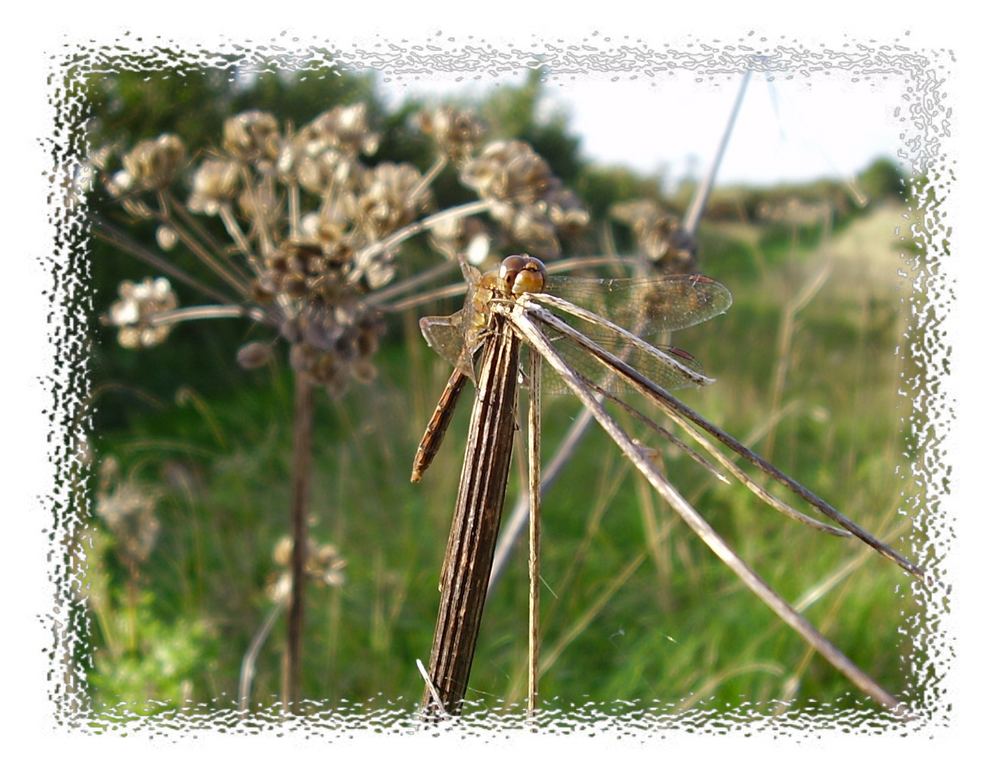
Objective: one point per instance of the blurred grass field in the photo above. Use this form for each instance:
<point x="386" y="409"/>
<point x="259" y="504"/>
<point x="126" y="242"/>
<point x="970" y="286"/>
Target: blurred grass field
<point x="635" y="607"/>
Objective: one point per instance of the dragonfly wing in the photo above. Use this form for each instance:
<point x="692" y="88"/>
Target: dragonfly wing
<point x="646" y="305"/>
<point x="445" y="335"/>
<point x="677" y="370"/>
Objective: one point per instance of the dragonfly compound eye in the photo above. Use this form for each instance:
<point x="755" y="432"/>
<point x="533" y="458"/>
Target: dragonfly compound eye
<point x="522" y="274"/>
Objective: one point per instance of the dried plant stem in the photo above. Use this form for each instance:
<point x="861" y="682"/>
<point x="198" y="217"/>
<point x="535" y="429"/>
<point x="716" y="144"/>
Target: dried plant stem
<point x="235" y="231"/>
<point x="786" y="333"/>
<point x="476" y="521"/>
<point x="535" y="528"/>
<point x="428" y="178"/>
<point x="210" y="242"/>
<point x="301" y="464"/>
<point x="588" y="261"/>
<point x="193" y="313"/>
<point x="259" y="219"/>
<point x="231" y="278"/>
<point x="293" y="210"/>
<point x="697" y="207"/>
<point x="111" y="235"/>
<point x="438" y="293"/>
<point x="533" y="336"/>
<point x="419" y="279"/>
<point x="248" y="667"/>
<point x="425" y="224"/>
<point x="519" y="516"/>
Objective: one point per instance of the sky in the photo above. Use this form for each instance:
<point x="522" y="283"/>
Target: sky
<point x="786" y="130"/>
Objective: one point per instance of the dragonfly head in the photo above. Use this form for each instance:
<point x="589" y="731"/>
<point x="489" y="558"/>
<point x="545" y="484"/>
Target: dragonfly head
<point x="521" y="274"/>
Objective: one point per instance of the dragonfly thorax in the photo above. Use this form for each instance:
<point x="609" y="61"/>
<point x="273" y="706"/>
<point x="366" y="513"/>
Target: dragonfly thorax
<point x="521" y="274"/>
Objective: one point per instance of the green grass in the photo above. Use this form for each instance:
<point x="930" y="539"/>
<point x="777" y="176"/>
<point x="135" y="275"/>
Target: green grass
<point x="673" y="624"/>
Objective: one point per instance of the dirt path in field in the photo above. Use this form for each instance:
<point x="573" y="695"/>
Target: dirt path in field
<point x="871" y="248"/>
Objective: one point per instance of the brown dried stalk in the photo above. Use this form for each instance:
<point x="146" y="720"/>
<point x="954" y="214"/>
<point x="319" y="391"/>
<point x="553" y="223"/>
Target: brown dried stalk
<point x="105" y="231"/>
<point x="476" y="521"/>
<point x="535" y="528"/>
<point x="302" y="454"/>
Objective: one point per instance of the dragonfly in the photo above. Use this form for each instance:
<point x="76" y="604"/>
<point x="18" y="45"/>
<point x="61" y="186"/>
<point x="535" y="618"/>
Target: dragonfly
<point x="638" y="312"/>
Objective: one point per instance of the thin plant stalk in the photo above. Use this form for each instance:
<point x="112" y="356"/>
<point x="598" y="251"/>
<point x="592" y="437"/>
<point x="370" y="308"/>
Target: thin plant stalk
<point x="301" y="465"/>
<point x="248" y="667"/>
<point x="210" y="242"/>
<point x="221" y="270"/>
<point x="111" y="235"/>
<point x="194" y="313"/>
<point x="786" y="334"/>
<point x="535" y="528"/>
<point x="531" y="335"/>
<point x="425" y="224"/>
<point x="428" y="178"/>
<point x="411" y="283"/>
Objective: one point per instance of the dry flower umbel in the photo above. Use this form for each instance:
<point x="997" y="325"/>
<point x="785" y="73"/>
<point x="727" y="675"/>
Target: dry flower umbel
<point x="299" y="232"/>
<point x="129" y="509"/>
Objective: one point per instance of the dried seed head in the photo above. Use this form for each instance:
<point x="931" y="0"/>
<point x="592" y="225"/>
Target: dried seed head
<point x="658" y="234"/>
<point x="282" y="553"/>
<point x="344" y="128"/>
<point x="323" y="564"/>
<point x="252" y="137"/>
<point x="468" y="237"/>
<point x="214" y="182"/>
<point x="390" y="199"/>
<point x="166" y="237"/>
<point x="129" y="510"/>
<point x="364" y="371"/>
<point x="331" y="343"/>
<point x="456" y="133"/>
<point x="152" y="164"/>
<point x="253" y="355"/>
<point x="565" y="210"/>
<point x="120" y="183"/>
<point x="261" y="202"/>
<point x="323" y="155"/>
<point x="133" y="313"/>
<point x="329" y="227"/>
<point x="508" y="171"/>
<point x="529" y="227"/>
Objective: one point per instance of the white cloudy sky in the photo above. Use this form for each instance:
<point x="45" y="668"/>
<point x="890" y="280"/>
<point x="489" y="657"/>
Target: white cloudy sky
<point x="787" y="129"/>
